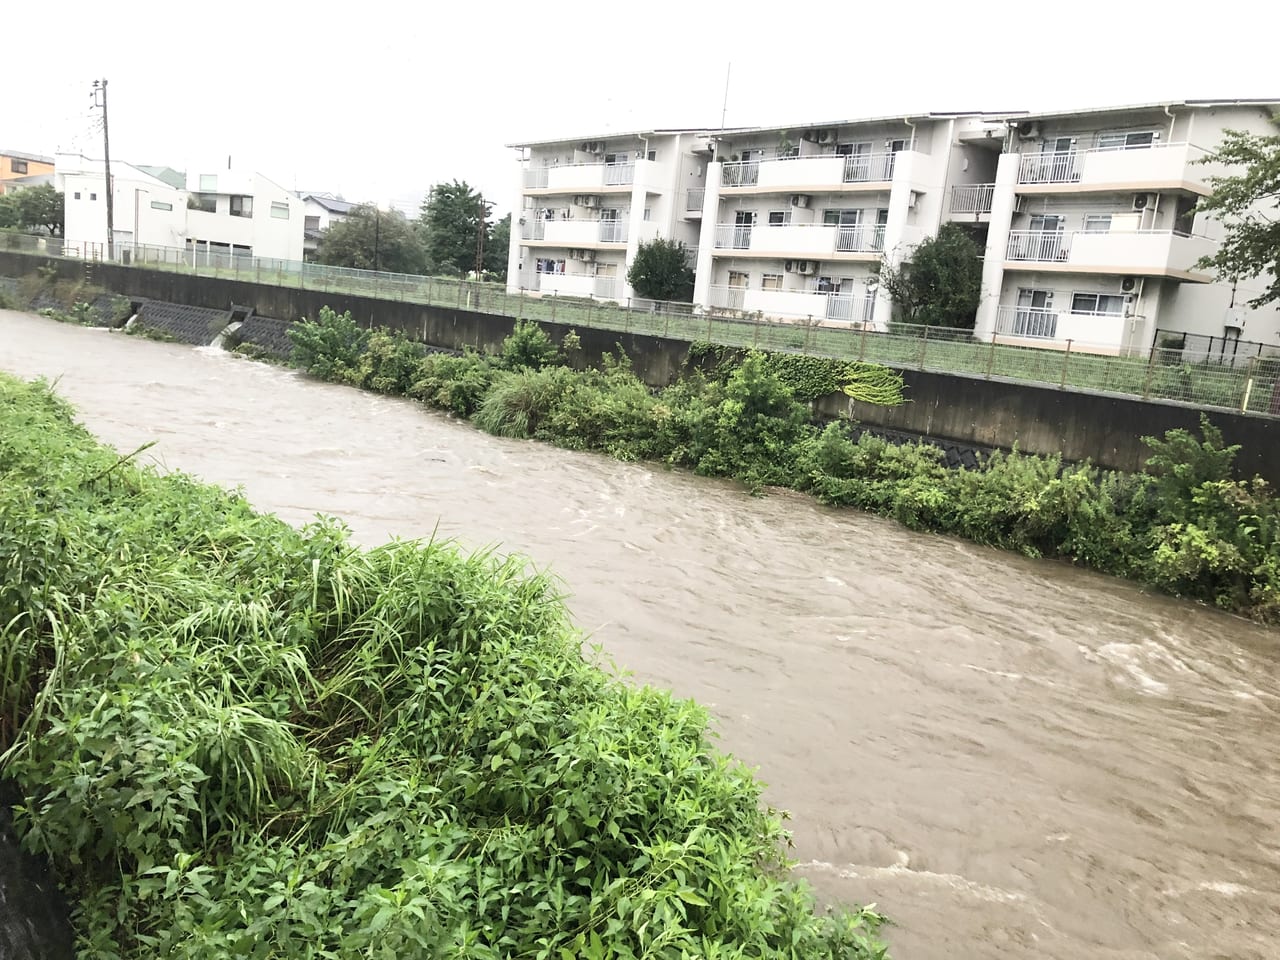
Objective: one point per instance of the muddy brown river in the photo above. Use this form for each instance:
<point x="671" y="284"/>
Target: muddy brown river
<point x="1013" y="758"/>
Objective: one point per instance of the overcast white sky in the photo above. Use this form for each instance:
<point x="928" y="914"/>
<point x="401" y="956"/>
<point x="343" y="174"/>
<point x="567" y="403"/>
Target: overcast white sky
<point x="378" y="100"/>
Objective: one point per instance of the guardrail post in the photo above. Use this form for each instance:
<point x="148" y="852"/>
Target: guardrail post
<point x="591" y="306"/>
<point x="708" y="328"/>
<point x="808" y="331"/>
<point x="862" y="342"/>
<point x="924" y="347"/>
<point x="458" y="302"/>
<point x="1146" y="383"/>
<point x="755" y="334"/>
<point x="1066" y="359"/>
<point x="991" y="355"/>
<point x="554" y="298"/>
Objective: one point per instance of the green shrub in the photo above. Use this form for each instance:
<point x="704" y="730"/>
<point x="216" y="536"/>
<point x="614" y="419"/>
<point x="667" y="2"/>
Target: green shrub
<point x="328" y="347"/>
<point x="528" y="346"/>
<point x="518" y="401"/>
<point x="454" y="383"/>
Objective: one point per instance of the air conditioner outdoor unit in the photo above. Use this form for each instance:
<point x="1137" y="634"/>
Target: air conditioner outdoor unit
<point x="591" y="201"/>
<point x="1129" y="285"/>
<point x="807" y="268"/>
<point x="826" y="136"/>
<point x="1143" y="200"/>
<point x="789" y="266"/>
<point x="575" y="254"/>
<point x="811" y="136"/>
<point x="1029" y="129"/>
<point x="800" y="200"/>
<point x="587" y="256"/>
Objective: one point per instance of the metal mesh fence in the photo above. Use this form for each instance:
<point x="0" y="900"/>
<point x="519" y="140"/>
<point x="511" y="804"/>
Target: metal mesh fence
<point x="1179" y="367"/>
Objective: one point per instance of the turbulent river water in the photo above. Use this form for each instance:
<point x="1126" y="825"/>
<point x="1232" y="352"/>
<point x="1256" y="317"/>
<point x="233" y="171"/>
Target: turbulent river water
<point x="1013" y="758"/>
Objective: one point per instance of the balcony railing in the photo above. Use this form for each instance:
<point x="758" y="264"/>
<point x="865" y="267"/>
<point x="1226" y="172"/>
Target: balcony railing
<point x="1034" y="322"/>
<point x="1050" y="167"/>
<point x="607" y="287"/>
<point x="617" y="174"/>
<point x="864" y="167"/>
<point x="613" y="231"/>
<point x="733" y="236"/>
<point x="1150" y="161"/>
<point x="693" y="200"/>
<point x="1049" y="245"/>
<point x="850" y="307"/>
<point x="972" y="197"/>
<point x="728" y="298"/>
<point x="740" y="173"/>
<point x="867" y="238"/>
<point x="534" y="230"/>
<point x="535" y="178"/>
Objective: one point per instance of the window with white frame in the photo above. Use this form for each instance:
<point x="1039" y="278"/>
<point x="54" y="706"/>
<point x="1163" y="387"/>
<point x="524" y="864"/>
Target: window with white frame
<point x="93" y="196"/>
<point x="829" y="284"/>
<point x="1099" y="304"/>
<point x="242" y="206"/>
<point x="771" y="281"/>
<point x="779" y="218"/>
<point x="1097" y="222"/>
<point x="161" y="205"/>
<point x="208" y="183"/>
<point x="280" y="210"/>
<point x="77" y="194"/>
<point x="17" y="166"/>
<point x="1126" y="140"/>
<point x="738" y="279"/>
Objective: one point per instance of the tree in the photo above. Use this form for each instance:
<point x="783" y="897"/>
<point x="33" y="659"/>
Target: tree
<point x="373" y="239"/>
<point x="453" y="215"/>
<point x="939" y="286"/>
<point x="1248" y="204"/>
<point x="10" y="215"/>
<point x="497" y="247"/>
<point x="34" y="208"/>
<point x="661" y="271"/>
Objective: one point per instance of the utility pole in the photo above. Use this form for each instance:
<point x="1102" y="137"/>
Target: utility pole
<point x="100" y="88"/>
<point x="377" y="230"/>
<point x="480" y="240"/>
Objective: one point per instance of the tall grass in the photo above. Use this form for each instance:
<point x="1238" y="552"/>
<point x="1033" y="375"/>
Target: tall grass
<point x="237" y="739"/>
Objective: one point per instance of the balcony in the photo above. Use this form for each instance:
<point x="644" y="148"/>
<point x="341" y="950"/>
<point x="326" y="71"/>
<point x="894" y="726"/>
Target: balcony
<point x="580" y="177"/>
<point x="972" y="199"/>
<point x="793" y="304"/>
<point x="801" y="174"/>
<point x="575" y="233"/>
<point x="1153" y="253"/>
<point x="800" y="239"/>
<point x="1169" y="166"/>
<point x="1103" y="331"/>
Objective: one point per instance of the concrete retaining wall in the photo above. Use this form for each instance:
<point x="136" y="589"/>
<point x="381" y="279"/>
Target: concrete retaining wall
<point x="1106" y="429"/>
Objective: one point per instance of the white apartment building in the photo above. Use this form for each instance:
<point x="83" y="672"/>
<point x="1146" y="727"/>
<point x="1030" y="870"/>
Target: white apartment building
<point x="1086" y="218"/>
<point x="585" y="206"/>
<point x="226" y="213"/>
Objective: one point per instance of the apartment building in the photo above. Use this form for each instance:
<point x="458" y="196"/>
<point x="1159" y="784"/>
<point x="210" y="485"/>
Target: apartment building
<point x="18" y="169"/>
<point x="226" y="213"/>
<point x="585" y="206"/>
<point x="1087" y="218"/>
<point x="1094" y="232"/>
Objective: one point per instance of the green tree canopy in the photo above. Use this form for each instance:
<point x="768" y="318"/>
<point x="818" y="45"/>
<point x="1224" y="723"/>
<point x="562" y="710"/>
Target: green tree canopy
<point x="372" y="239"/>
<point x="1248" y="204"/>
<point x="661" y="271"/>
<point x="453" y="215"/>
<point x="496" y="248"/>
<point x="33" y="208"/>
<point x="939" y="286"/>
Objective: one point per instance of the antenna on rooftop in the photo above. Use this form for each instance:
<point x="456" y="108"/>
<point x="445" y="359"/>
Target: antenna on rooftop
<point x="725" y="107"/>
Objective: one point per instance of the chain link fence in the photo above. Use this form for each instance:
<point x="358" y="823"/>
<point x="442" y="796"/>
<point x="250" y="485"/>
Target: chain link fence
<point x="1179" y="367"/>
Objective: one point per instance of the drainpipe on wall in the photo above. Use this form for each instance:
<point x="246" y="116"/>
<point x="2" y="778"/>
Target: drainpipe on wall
<point x="1169" y="113"/>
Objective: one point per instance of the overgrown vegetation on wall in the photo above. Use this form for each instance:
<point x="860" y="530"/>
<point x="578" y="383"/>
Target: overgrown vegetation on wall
<point x="1183" y="525"/>
<point x="237" y="739"/>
